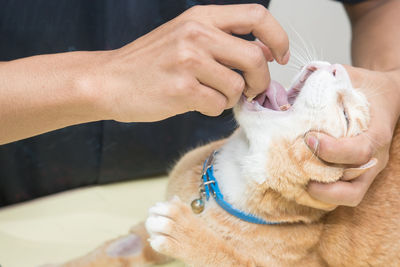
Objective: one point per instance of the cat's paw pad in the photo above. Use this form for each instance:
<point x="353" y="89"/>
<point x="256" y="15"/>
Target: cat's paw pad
<point x="168" y="224"/>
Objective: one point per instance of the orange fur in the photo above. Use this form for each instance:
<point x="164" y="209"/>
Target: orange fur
<point x="313" y="233"/>
<point x="367" y="235"/>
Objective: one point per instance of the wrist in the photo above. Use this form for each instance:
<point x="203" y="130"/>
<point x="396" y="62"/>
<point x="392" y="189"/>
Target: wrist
<point x="89" y="86"/>
<point x="390" y="89"/>
<point x="45" y="93"/>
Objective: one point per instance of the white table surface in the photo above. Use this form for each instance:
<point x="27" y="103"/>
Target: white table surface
<point x="66" y="225"/>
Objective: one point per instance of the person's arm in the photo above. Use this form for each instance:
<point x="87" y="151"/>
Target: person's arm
<point x="43" y="93"/>
<point x="376" y="54"/>
<point x="183" y="65"/>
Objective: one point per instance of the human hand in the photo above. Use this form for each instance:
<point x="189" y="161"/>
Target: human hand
<point x="186" y="64"/>
<point x="383" y="92"/>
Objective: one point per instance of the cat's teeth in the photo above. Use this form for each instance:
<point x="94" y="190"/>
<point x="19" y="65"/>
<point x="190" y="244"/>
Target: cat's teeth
<point x="285" y="107"/>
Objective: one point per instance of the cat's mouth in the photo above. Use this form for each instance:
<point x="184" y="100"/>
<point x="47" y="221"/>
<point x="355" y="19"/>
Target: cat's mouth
<point x="276" y="97"/>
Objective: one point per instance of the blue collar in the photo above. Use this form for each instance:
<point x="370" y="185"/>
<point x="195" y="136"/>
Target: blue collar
<point x="210" y="185"/>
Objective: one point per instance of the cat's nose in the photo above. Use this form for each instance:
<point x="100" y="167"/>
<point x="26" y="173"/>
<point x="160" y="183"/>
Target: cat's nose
<point x="336" y="69"/>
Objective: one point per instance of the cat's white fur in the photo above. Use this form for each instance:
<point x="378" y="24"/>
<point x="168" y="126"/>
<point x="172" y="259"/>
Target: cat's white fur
<point x="264" y="168"/>
<point x="242" y="159"/>
<point x="325" y="99"/>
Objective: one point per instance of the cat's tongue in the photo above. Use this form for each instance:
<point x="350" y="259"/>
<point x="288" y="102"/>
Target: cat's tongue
<point x="275" y="97"/>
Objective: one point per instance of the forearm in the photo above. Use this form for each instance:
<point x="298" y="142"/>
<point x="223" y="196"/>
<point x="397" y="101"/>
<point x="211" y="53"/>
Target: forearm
<point x="376" y="35"/>
<point x="376" y="51"/>
<point x="375" y="46"/>
<point x="43" y="93"/>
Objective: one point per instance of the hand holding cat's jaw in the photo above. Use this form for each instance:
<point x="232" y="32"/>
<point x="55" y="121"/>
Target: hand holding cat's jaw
<point x="352" y="151"/>
<point x="383" y="93"/>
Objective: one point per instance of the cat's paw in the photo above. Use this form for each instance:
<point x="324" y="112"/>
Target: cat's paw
<point x="171" y="226"/>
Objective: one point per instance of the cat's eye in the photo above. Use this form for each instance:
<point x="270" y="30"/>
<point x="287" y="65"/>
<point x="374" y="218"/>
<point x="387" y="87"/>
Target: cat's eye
<point x="346" y="116"/>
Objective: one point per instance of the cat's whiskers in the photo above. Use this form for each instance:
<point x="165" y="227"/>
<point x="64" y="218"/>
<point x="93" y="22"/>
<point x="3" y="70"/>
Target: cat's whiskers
<point x="314" y="54"/>
<point x="297" y="54"/>
<point x="294" y="64"/>
<point x="309" y="53"/>
<point x="377" y="143"/>
<point x="321" y="56"/>
<point x="297" y="65"/>
<point x="373" y="92"/>
<point x="371" y="88"/>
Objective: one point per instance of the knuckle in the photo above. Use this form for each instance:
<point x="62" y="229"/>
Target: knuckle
<point x="256" y="56"/>
<point x="366" y="153"/>
<point x="355" y="201"/>
<point x="258" y="12"/>
<point x="182" y="87"/>
<point x="187" y="58"/>
<point x="191" y="30"/>
<point x="195" y="10"/>
<point x="386" y="137"/>
<point x="358" y="196"/>
<point x="218" y="107"/>
<point x="237" y="84"/>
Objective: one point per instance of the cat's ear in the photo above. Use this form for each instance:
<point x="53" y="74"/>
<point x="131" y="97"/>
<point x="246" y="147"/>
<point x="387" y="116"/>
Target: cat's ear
<point x="351" y="173"/>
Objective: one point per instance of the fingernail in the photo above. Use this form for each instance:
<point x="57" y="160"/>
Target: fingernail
<point x="313" y="142"/>
<point x="285" y="58"/>
<point x="352" y="173"/>
<point x="250" y="98"/>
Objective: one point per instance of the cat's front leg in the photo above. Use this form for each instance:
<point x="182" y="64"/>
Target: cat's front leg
<point x="175" y="231"/>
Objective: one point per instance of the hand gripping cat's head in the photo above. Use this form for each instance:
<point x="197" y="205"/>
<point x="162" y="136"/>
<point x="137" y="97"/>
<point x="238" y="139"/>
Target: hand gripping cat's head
<point x="321" y="99"/>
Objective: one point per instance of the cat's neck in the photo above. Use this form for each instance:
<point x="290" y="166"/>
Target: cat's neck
<point x="248" y="193"/>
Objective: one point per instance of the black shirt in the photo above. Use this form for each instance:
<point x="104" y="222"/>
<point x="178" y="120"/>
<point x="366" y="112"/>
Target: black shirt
<point x="98" y="152"/>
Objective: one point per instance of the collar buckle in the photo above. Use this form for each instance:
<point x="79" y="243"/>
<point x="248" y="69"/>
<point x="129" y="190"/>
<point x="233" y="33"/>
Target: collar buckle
<point x="209" y="162"/>
<point x="209" y="185"/>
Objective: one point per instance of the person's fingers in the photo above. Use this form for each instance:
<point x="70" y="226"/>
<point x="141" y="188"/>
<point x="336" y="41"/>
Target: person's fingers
<point x="347" y="150"/>
<point x="208" y="101"/>
<point x="351" y="173"/>
<point x="220" y="78"/>
<point x="348" y="193"/>
<point x="249" y="18"/>
<point x="267" y="52"/>
<point x="245" y="56"/>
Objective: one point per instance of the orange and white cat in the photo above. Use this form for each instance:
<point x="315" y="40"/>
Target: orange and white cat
<point x="263" y="169"/>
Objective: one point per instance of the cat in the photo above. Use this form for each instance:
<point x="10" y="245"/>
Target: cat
<point x="262" y="171"/>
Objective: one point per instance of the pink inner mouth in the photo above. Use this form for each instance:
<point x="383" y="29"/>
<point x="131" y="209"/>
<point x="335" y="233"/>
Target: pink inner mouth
<point x="277" y="98"/>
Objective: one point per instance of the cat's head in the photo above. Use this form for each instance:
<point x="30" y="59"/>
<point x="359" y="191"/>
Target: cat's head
<point x="321" y="99"/>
